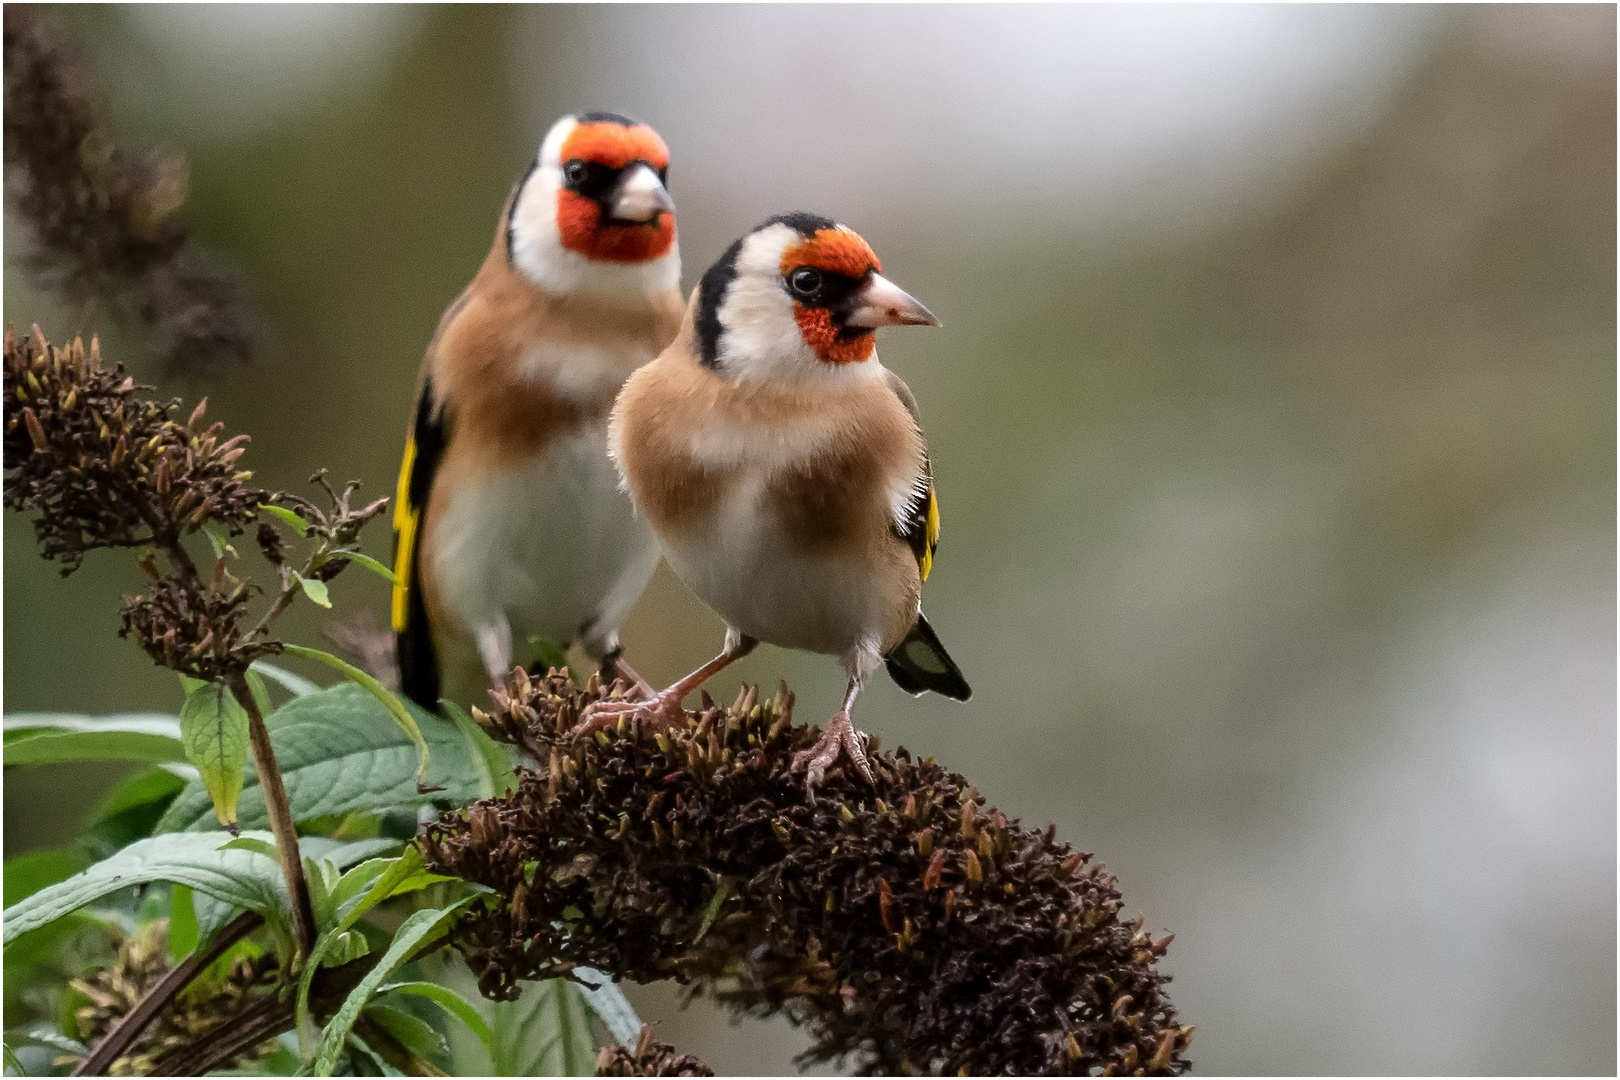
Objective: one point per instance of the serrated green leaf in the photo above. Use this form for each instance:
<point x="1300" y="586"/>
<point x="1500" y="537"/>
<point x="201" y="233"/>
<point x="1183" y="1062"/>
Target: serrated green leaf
<point x="392" y="702"/>
<point x="49" y="738"/>
<point x="214" y="729"/>
<point x="340" y="752"/>
<point x="314" y="589"/>
<point x="421" y="927"/>
<point x="299" y="525"/>
<point x="245" y="879"/>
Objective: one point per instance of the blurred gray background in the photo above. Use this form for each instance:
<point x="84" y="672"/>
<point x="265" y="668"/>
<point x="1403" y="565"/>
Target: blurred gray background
<point x="1273" y="419"/>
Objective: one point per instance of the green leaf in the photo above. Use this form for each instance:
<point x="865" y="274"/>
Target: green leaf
<point x="721" y="891"/>
<point x="245" y="879"/>
<point x="546" y="1032"/>
<point x="184" y="935"/>
<point x="267" y="848"/>
<point x="452" y="1003"/>
<point x="340" y="752"/>
<point x="44" y="1033"/>
<point x="296" y="685"/>
<point x="610" y="1004"/>
<point x="390" y="701"/>
<point x="131" y="810"/>
<point x="212" y="914"/>
<point x="548" y="653"/>
<point x="48" y="738"/>
<point x="495" y="774"/>
<point x="379" y="886"/>
<point x="26" y="874"/>
<point x="422" y="927"/>
<point x="315" y="589"/>
<point x="214" y="727"/>
<point x="378" y="1062"/>
<point x="413" y="1033"/>
<point x="299" y="525"/>
<point x="368" y="562"/>
<point x="260" y="691"/>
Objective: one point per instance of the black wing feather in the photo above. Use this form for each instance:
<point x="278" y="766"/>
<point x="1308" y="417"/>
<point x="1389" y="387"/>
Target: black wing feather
<point x="413" y="636"/>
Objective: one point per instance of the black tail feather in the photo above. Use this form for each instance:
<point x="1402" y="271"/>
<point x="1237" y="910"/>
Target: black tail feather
<point x="921" y="663"/>
<point x="418" y="661"/>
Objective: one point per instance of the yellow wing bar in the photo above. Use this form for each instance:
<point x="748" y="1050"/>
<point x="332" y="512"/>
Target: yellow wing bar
<point x="406" y="519"/>
<point x="925" y="562"/>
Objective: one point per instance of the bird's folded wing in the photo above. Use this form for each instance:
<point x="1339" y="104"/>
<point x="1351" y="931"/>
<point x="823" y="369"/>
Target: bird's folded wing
<point x="918" y="524"/>
<point x="424" y="450"/>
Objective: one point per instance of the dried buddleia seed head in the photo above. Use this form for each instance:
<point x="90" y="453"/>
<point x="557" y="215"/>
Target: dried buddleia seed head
<point x="194" y="630"/>
<point x="940" y="937"/>
<point x="210" y="1000"/>
<point x="648" y="1057"/>
<point x="101" y="467"/>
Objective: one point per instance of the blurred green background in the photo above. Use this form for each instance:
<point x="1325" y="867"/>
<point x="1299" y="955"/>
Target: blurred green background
<point x="1273" y="419"/>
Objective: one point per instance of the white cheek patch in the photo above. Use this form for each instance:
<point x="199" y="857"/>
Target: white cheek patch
<point x="761" y="339"/>
<point x="537" y="248"/>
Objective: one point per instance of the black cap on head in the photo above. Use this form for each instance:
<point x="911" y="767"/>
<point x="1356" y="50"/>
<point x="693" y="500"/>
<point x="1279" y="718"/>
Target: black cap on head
<point x="605" y="118"/>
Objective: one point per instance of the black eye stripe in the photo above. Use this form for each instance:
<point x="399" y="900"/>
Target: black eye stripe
<point x="831" y="290"/>
<point x="589" y="178"/>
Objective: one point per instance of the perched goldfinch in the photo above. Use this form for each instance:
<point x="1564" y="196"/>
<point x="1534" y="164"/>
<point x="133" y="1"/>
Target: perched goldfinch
<point x="509" y="522"/>
<point x="784" y="472"/>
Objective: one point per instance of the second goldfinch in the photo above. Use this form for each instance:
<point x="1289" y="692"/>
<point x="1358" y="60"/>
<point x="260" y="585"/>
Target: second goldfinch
<point x="509" y="521"/>
<point x="784" y="471"/>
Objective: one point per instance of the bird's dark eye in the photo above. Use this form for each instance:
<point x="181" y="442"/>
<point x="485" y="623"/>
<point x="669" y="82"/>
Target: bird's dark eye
<point x="663" y="176"/>
<point x="575" y="172"/>
<point x="805" y="282"/>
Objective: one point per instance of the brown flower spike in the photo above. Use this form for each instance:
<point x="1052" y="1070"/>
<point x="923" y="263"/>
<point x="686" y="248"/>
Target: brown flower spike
<point x="648" y="1057"/>
<point x="103" y="468"/>
<point x="907" y="925"/>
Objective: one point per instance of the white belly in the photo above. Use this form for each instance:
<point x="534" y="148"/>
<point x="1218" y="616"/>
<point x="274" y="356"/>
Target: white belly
<point x="762" y="586"/>
<point x="552" y="545"/>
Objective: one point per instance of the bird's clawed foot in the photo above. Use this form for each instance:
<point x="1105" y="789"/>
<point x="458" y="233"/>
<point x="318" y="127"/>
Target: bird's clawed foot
<point x="659" y="711"/>
<point x="840" y="737"/>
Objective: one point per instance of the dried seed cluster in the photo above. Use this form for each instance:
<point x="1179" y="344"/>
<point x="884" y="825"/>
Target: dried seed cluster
<point x="649" y="1058"/>
<point x="195" y="631"/>
<point x="104" y="225"/>
<point x="142" y="960"/>
<point x="103" y="468"/>
<point x="908" y="926"/>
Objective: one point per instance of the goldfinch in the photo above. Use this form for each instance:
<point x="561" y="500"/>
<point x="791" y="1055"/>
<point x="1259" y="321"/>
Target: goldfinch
<point x="509" y="521"/>
<point x="784" y="471"/>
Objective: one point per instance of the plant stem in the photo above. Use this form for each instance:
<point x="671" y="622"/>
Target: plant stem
<point x="129" y="1028"/>
<point x="279" y="810"/>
